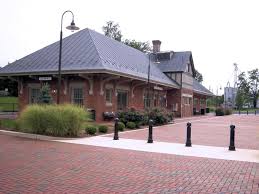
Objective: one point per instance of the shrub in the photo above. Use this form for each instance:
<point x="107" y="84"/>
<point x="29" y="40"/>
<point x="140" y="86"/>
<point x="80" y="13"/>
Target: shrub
<point x="131" y="125"/>
<point x="103" y="129"/>
<point x="90" y="130"/>
<point x="227" y="111"/>
<point x="130" y="116"/>
<point x="219" y="112"/>
<point x="121" y="126"/>
<point x="159" y="116"/>
<point x="55" y="120"/>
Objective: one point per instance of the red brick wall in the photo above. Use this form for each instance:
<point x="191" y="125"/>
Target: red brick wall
<point x="97" y="102"/>
<point x="173" y="98"/>
<point x="187" y="110"/>
<point x="199" y="106"/>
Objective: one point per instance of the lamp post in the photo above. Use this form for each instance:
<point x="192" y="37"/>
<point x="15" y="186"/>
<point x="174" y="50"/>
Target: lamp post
<point x="150" y="122"/>
<point x="148" y="78"/>
<point x="71" y="27"/>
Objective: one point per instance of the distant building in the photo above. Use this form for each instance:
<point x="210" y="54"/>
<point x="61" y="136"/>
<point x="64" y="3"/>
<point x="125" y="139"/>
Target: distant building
<point x="230" y="97"/>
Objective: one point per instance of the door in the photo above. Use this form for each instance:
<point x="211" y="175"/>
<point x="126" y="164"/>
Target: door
<point x="122" y="99"/>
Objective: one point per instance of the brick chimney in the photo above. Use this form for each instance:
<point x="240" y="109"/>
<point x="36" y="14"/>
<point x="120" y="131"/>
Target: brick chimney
<point x="156" y="45"/>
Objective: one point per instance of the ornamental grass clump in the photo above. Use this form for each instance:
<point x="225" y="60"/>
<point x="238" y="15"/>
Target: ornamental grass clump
<point x="55" y="120"/>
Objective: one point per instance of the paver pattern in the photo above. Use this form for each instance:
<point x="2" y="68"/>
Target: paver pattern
<point x="211" y="131"/>
<point x="29" y="166"/>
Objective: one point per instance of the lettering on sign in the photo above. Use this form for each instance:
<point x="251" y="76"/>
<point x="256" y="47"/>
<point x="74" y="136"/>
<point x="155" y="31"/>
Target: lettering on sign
<point x="45" y="78"/>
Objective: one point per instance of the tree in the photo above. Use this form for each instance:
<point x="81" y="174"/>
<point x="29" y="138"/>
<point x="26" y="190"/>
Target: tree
<point x="45" y="97"/>
<point x="112" y="30"/>
<point x="239" y="99"/>
<point x="142" y="46"/>
<point x="11" y="85"/>
<point x="198" y="76"/>
<point x="243" y="90"/>
<point x="253" y="76"/>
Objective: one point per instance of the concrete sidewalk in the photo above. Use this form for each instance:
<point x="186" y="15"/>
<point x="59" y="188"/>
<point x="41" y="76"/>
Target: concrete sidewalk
<point x="170" y="148"/>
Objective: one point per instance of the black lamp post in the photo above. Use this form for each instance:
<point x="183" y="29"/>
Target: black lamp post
<point x="148" y="78"/>
<point x="71" y="27"/>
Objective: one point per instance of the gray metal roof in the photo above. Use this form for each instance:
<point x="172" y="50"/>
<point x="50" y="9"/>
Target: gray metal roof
<point x="199" y="88"/>
<point x="178" y="62"/>
<point x="88" y="50"/>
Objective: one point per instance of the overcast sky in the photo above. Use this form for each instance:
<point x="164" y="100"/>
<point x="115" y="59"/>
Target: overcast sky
<point x="218" y="32"/>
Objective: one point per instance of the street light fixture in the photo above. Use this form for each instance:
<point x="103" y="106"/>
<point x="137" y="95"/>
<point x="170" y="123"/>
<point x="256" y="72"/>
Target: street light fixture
<point x="71" y="27"/>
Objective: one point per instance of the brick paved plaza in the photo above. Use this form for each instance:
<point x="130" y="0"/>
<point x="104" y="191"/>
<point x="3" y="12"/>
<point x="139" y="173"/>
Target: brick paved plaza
<point x="211" y="131"/>
<point x="29" y="166"/>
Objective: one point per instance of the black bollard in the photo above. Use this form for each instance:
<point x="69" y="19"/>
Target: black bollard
<point x="150" y="131"/>
<point x="255" y="112"/>
<point x="247" y="112"/>
<point x="116" y="131"/>
<point x="188" y="140"/>
<point x="239" y="112"/>
<point x="232" y="138"/>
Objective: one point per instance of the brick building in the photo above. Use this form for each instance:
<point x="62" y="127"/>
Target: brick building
<point x="105" y="75"/>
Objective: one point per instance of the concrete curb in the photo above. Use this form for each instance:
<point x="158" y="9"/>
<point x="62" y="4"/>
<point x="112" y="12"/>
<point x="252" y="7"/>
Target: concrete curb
<point x="33" y="136"/>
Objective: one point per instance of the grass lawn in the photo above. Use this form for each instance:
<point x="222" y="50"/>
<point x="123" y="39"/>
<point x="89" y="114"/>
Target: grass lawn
<point x="8" y="104"/>
<point x="8" y="123"/>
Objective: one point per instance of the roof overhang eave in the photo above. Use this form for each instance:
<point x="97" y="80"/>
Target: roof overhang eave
<point x="203" y="93"/>
<point x="64" y="72"/>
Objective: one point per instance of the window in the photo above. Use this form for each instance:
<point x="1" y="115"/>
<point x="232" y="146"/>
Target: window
<point x="187" y="100"/>
<point x="162" y="101"/>
<point x="34" y="95"/>
<point x="122" y="99"/>
<point x="78" y="96"/>
<point x="147" y="99"/>
<point x="108" y="96"/>
<point x="195" y="101"/>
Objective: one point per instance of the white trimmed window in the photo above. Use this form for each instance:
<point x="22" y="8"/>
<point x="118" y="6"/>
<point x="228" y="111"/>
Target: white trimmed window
<point x="187" y="100"/>
<point x="34" y="95"/>
<point x="78" y="96"/>
<point x="108" y="96"/>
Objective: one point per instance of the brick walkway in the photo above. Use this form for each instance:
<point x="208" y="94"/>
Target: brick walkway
<point x="211" y="131"/>
<point x="28" y="166"/>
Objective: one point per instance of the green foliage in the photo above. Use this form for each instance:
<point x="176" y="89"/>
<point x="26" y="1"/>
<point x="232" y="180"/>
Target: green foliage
<point x="11" y="85"/>
<point x="227" y="111"/>
<point x="248" y="88"/>
<point x="219" y="112"/>
<point x="160" y="116"/>
<point x="254" y="85"/>
<point x="215" y="101"/>
<point x="9" y="123"/>
<point x="121" y="126"/>
<point x="198" y="76"/>
<point x="91" y="130"/>
<point x="55" y="120"/>
<point x="112" y="30"/>
<point x="8" y="104"/>
<point x="141" y="46"/>
<point x="131" y="125"/>
<point x="131" y="116"/>
<point x="240" y="99"/>
<point x="45" y="97"/>
<point x="103" y="129"/>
